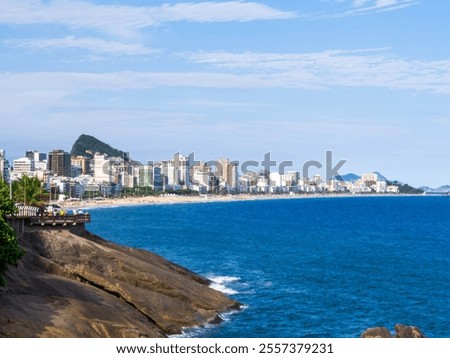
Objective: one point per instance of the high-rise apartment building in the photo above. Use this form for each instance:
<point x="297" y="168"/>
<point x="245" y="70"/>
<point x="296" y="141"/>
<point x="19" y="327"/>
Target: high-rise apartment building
<point x="102" y="168"/>
<point x="59" y="163"/>
<point x="23" y="166"/>
<point x="168" y="172"/>
<point x="82" y="163"/>
<point x="181" y="170"/>
<point x="228" y="172"/>
<point x="369" y="179"/>
<point x="2" y="165"/>
<point x="35" y="155"/>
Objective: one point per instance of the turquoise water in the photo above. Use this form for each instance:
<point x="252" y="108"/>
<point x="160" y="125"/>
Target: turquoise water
<point x="320" y="267"/>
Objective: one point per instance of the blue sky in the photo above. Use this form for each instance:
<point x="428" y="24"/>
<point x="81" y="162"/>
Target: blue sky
<point x="367" y="79"/>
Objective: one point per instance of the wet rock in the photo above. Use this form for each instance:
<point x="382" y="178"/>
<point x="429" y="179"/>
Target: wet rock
<point x="376" y="332"/>
<point x="404" y="331"/>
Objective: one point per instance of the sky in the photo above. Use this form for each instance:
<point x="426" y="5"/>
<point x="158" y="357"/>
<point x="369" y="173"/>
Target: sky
<point x="368" y="80"/>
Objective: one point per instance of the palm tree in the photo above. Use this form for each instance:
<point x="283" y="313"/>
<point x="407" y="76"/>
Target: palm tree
<point x="29" y="190"/>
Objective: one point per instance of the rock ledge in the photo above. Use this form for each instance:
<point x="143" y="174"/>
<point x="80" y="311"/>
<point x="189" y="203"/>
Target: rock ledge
<point x="72" y="283"/>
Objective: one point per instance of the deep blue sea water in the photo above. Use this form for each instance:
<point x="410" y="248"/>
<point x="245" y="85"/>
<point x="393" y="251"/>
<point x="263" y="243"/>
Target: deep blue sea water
<point x="319" y="267"/>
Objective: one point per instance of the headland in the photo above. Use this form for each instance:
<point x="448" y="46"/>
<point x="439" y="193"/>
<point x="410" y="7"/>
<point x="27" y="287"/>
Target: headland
<point x="72" y="283"/>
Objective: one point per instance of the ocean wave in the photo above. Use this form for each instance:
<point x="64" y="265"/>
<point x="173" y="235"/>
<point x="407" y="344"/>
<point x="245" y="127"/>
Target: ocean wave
<point x="219" y="283"/>
<point x="192" y="332"/>
<point x="226" y="316"/>
<point x="221" y="279"/>
<point x="198" y="331"/>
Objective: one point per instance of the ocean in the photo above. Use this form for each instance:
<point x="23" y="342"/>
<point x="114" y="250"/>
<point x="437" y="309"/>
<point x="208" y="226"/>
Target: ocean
<point x="317" y="267"/>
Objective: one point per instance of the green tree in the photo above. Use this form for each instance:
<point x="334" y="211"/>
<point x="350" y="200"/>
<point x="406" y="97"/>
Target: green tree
<point x="10" y="252"/>
<point x="29" y="191"/>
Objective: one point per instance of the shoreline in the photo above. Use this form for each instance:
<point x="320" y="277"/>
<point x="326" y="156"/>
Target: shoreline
<point x="169" y="199"/>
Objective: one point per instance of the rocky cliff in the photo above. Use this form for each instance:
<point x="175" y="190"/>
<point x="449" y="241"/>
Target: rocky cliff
<point x="71" y="283"/>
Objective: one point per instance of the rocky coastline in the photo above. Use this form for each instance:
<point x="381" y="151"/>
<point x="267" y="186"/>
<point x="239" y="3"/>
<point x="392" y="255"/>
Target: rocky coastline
<point x="72" y="283"/>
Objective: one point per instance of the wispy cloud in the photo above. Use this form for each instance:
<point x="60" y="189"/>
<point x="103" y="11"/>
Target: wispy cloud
<point x="361" y="7"/>
<point x="87" y="43"/>
<point x="222" y="70"/>
<point x="126" y="20"/>
<point x="334" y="68"/>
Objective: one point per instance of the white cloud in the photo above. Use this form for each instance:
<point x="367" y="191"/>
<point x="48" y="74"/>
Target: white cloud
<point x="370" y="6"/>
<point x="126" y="20"/>
<point x="327" y="69"/>
<point x="87" y="43"/>
<point x="321" y="70"/>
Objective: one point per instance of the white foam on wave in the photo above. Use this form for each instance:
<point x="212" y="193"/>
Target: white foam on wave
<point x="222" y="279"/>
<point x="192" y="332"/>
<point x="226" y="316"/>
<point x="196" y="331"/>
<point x="223" y="289"/>
<point x="219" y="283"/>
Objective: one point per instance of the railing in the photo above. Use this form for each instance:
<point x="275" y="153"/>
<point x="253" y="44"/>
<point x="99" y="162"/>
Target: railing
<point x="27" y="211"/>
<point x="60" y="220"/>
<point x="33" y="215"/>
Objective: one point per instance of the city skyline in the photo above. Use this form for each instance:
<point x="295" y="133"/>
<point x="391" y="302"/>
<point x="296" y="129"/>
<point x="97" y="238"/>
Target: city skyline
<point x="77" y="176"/>
<point x="366" y="79"/>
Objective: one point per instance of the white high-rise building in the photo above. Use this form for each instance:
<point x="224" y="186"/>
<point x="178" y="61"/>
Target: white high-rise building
<point x="168" y="171"/>
<point x="23" y="166"/>
<point x="102" y="168"/>
<point x="2" y="165"/>
<point x="277" y="179"/>
<point x="200" y="177"/>
<point x="381" y="187"/>
<point x="40" y="166"/>
<point x="181" y="170"/>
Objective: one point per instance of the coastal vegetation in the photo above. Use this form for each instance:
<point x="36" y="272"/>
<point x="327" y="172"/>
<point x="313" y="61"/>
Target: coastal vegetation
<point x="405" y="188"/>
<point x="29" y="191"/>
<point x="10" y="251"/>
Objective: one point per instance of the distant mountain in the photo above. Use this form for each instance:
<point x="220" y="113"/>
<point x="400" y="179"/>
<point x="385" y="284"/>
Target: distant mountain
<point x="350" y="177"/>
<point x="402" y="187"/>
<point x="442" y="189"/>
<point x="87" y="145"/>
<point x="381" y="177"/>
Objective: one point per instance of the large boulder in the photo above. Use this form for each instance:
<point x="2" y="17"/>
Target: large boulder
<point x="402" y="331"/>
<point x="376" y="332"/>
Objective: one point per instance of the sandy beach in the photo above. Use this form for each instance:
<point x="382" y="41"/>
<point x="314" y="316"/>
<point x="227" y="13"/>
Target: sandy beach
<point x="179" y="199"/>
<point x="168" y="199"/>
